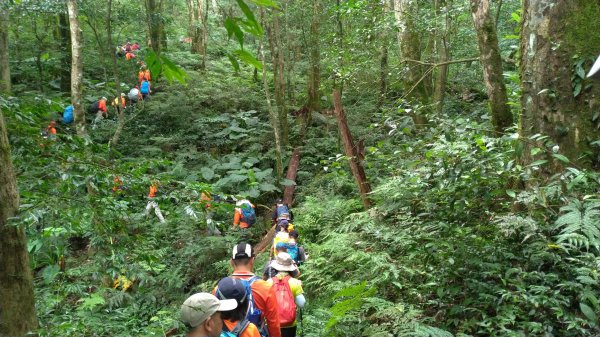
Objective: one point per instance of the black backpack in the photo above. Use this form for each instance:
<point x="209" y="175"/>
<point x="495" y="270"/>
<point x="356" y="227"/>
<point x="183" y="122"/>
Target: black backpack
<point x="94" y="107"/>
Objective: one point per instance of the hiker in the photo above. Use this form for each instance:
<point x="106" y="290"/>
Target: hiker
<point x="68" y="115"/>
<point x="269" y="270"/>
<point x="288" y="292"/>
<point x="51" y="130"/>
<point x="282" y="212"/>
<point x="294" y="249"/>
<point x="201" y="314"/>
<point x="205" y="199"/>
<point x="144" y="74"/>
<point x="129" y="56"/>
<point x="118" y="187"/>
<point x="145" y="89"/>
<point x="119" y="103"/>
<point x="245" y="215"/>
<point x="282" y="234"/>
<point x="262" y="304"/>
<point x="234" y="321"/>
<point x="134" y="95"/>
<point x="152" y="202"/>
<point x="135" y="46"/>
<point x="99" y="108"/>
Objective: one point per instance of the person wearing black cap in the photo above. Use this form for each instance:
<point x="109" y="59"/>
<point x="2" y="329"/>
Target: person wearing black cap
<point x="262" y="302"/>
<point x="235" y="321"/>
<point x="201" y="314"/>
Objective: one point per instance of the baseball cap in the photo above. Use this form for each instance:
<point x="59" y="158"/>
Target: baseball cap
<point x="200" y="306"/>
<point x="231" y="288"/>
<point x="241" y="251"/>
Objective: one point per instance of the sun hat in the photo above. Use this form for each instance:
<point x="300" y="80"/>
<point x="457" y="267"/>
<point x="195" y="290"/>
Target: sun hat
<point x="104" y="99"/>
<point x="242" y="251"/>
<point x="283" y="262"/>
<point x="231" y="288"/>
<point x="200" y="306"/>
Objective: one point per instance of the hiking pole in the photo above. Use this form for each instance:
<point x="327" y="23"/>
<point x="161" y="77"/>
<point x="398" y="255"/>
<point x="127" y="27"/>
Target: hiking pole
<point x="301" y="324"/>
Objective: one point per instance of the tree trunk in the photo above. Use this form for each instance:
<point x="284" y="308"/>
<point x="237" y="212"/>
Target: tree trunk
<point x="121" y="124"/>
<point x="65" y="50"/>
<point x="162" y="32"/>
<point x="555" y="98"/>
<point x="76" y="67"/>
<point x="153" y="18"/>
<point x="17" y="305"/>
<point x="274" y="36"/>
<point x="5" y="84"/>
<point x="443" y="52"/>
<point x="355" y="165"/>
<point x="491" y="62"/>
<point x="314" y="70"/>
<point x="410" y="48"/>
<point x="292" y="171"/>
<point x="273" y="118"/>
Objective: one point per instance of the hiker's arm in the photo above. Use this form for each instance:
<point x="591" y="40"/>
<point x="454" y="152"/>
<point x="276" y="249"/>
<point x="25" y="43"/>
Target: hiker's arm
<point x="236" y="218"/>
<point x="300" y="300"/>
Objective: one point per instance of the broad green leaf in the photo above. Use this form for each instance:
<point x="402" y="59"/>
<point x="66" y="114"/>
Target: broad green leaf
<point x="207" y="173"/>
<point x="511" y="193"/>
<point x="233" y="29"/>
<point x="538" y="162"/>
<point x="248" y="58"/>
<point x="588" y="312"/>
<point x="234" y="62"/>
<point x="265" y="3"/>
<point x="251" y="18"/>
<point x="561" y="157"/>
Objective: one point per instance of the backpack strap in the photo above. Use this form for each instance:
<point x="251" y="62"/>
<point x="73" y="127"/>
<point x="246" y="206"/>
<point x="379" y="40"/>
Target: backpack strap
<point x="240" y="327"/>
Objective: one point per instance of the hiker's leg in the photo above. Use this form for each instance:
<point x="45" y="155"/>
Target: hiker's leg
<point x="148" y="206"/>
<point x="158" y="212"/>
<point x="288" y="331"/>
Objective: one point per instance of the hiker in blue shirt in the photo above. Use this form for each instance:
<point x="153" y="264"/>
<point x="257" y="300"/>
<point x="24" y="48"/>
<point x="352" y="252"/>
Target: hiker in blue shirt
<point x="282" y="212"/>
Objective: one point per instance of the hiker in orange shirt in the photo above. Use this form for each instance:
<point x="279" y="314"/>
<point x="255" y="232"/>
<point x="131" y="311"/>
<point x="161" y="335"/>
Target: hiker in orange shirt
<point x="244" y="215"/>
<point x="144" y="75"/>
<point x="152" y="202"/>
<point x="263" y="305"/>
<point x="119" y="103"/>
<point x="51" y="130"/>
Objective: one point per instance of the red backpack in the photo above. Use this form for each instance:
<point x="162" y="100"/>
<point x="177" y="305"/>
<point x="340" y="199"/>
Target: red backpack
<point x="285" y="301"/>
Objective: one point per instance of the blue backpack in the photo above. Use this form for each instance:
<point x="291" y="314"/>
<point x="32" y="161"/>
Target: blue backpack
<point x="253" y="315"/>
<point x="68" y="115"/>
<point x="248" y="214"/>
<point x="292" y="249"/>
<point x="239" y="328"/>
<point x="283" y="212"/>
<point x="145" y="88"/>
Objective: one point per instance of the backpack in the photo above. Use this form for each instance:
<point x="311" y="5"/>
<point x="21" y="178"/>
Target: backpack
<point x="292" y="249"/>
<point x="94" y="107"/>
<point x="68" y="115"/>
<point x="237" y="330"/>
<point x="145" y="88"/>
<point x="283" y="212"/>
<point x="286" y="304"/>
<point x="254" y="314"/>
<point x="248" y="214"/>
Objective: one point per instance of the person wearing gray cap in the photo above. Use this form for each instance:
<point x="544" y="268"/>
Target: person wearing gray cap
<point x="201" y="314"/>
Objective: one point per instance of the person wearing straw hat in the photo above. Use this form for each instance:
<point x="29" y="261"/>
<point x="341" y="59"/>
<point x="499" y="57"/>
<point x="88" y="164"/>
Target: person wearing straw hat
<point x="201" y="314"/>
<point x="288" y="292"/>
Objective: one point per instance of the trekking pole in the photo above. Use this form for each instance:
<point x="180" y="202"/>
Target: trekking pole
<point x="301" y="324"/>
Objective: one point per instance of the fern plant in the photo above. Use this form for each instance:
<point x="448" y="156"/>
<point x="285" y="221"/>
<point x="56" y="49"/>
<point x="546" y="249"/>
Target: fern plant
<point x="579" y="225"/>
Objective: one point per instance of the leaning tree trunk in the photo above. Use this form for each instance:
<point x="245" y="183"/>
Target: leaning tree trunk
<point x="410" y="49"/>
<point x="355" y="165"/>
<point x="76" y="67"/>
<point x="17" y="305"/>
<point x="65" y="50"/>
<point x="556" y="100"/>
<point x="491" y="62"/>
<point x="5" y="86"/>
